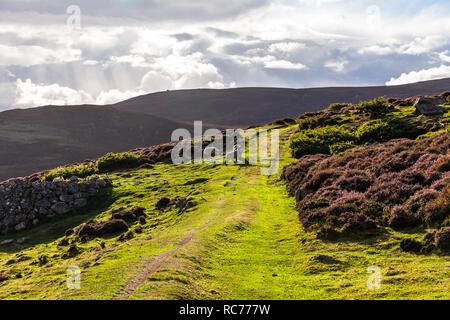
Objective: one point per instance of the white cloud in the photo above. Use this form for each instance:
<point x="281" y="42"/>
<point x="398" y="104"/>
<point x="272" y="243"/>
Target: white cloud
<point x="133" y="60"/>
<point x="155" y="81"/>
<point x="117" y="53"/>
<point x="422" y="45"/>
<point x="283" y="64"/>
<point x="113" y="96"/>
<point x="336" y="66"/>
<point x="182" y="72"/>
<point x="35" y="55"/>
<point x="286" y="47"/>
<point x="444" y="57"/>
<point x="269" y="62"/>
<point x="422" y="75"/>
<point x="29" y="94"/>
<point x="90" y="62"/>
<point x="376" y="50"/>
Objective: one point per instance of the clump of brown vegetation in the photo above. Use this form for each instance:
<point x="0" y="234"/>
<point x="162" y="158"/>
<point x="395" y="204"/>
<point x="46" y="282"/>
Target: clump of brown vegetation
<point x="434" y="241"/>
<point x="131" y="215"/>
<point x="95" y="228"/>
<point x="3" y="276"/>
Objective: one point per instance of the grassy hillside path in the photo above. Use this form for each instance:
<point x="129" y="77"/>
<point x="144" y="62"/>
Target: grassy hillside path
<point x="242" y="240"/>
<point x="255" y="248"/>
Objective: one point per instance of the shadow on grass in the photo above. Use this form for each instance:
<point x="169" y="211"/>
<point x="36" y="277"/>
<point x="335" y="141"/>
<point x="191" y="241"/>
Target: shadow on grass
<point x="363" y="237"/>
<point x="53" y="229"/>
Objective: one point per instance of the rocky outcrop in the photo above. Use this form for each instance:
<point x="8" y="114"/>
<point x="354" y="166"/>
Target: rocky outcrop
<point x="429" y="105"/>
<point x="24" y="203"/>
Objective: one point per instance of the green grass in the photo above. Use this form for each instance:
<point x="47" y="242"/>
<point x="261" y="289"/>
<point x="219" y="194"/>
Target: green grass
<point x="245" y="243"/>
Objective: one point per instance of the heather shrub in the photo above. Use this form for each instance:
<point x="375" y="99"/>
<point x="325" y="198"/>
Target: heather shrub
<point x="356" y="222"/>
<point x="441" y="184"/>
<point x="354" y="180"/>
<point x="400" y="218"/>
<point x="437" y="211"/>
<point x="311" y="203"/>
<point x="442" y="239"/>
<point x="116" y="161"/>
<point x="425" y="161"/>
<point x="395" y="163"/>
<point x="316" y="180"/>
<point x="295" y="173"/>
<point x="400" y="183"/>
<point x="372" y="209"/>
<point x="416" y="204"/>
<point x="338" y="208"/>
<point x="432" y="177"/>
<point x="392" y="192"/>
<point x="441" y="165"/>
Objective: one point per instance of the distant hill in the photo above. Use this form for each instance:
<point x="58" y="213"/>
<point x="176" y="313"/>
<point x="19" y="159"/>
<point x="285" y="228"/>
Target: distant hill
<point x="45" y="137"/>
<point x="251" y="106"/>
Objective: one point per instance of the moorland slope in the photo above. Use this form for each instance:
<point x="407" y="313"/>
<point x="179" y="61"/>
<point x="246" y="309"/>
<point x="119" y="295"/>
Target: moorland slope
<point x="44" y="137"/>
<point x="228" y="232"/>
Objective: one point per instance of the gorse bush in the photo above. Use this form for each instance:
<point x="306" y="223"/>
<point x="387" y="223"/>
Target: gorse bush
<point x="314" y="141"/>
<point x="81" y="171"/>
<point x="338" y="106"/>
<point x="376" y="130"/>
<point x="374" y="108"/>
<point x="107" y="163"/>
<point x="382" y="130"/>
<point x="430" y="134"/>
<point x="308" y="123"/>
<point x="341" y="147"/>
<point x="115" y="161"/>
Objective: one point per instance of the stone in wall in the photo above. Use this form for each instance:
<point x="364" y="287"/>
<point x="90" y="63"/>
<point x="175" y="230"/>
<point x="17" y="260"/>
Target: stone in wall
<point x="24" y="203"/>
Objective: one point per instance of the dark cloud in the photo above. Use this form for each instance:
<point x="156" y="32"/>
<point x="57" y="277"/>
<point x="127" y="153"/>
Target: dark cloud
<point x="222" y="33"/>
<point x="183" y="36"/>
<point x="188" y="10"/>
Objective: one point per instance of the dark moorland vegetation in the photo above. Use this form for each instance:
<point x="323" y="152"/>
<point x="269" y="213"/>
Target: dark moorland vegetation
<point x="371" y="165"/>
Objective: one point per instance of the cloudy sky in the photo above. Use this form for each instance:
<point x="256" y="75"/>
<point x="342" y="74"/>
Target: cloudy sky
<point x="116" y="49"/>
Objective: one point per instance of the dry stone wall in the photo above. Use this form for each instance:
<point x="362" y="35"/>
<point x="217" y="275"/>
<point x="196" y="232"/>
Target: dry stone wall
<point x="24" y="203"/>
